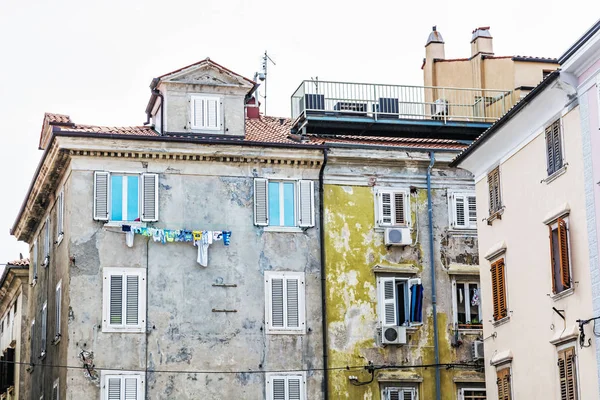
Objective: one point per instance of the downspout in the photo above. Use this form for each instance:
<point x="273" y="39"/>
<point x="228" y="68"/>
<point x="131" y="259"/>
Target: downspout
<point x="162" y="115"/>
<point x="147" y="313"/>
<point x="323" y="278"/>
<point x="433" y="291"/>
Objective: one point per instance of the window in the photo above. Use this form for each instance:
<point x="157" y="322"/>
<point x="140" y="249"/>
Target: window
<point x="567" y="373"/>
<point x="284" y="302"/>
<point x="124" y="300"/>
<point x="55" y="391"/>
<point x="393" y="207"/>
<point x="400" y="301"/>
<point x="122" y="386"/>
<point x="44" y="319"/>
<point x="125" y="197"/>
<point x="471" y="394"/>
<point x="206" y="113"/>
<point x="286" y="387"/>
<point x="399" y="393"/>
<point x="494" y="190"/>
<point x="60" y="210"/>
<point x="34" y="261"/>
<point x="554" y="154"/>
<point x="32" y="357"/>
<point x="46" y="242"/>
<point x="468" y="305"/>
<point x="498" y="272"/>
<point x="463" y="211"/>
<point x="503" y="383"/>
<point x="559" y="253"/>
<point x="284" y="203"/>
<point x="58" y="300"/>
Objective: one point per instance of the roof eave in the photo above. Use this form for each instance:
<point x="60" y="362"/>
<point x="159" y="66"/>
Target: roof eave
<point x="579" y="43"/>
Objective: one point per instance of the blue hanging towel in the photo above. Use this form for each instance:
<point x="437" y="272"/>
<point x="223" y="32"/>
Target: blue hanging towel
<point x="416" y="303"/>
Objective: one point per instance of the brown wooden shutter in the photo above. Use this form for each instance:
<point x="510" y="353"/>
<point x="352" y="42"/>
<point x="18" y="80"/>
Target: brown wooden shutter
<point x="495" y="293"/>
<point x="499" y="290"/>
<point x="563" y="247"/>
<point x="552" y="260"/>
<point x="567" y="374"/>
<point x="503" y="382"/>
<point x="557" y="153"/>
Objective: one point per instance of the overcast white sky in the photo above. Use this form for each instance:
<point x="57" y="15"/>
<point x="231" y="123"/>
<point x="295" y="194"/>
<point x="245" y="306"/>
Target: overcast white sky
<point x="94" y="60"/>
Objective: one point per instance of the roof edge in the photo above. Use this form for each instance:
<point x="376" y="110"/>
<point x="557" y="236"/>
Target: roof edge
<point x="579" y="43"/>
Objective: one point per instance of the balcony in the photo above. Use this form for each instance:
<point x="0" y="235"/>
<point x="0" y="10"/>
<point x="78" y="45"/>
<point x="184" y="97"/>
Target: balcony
<point x="331" y="108"/>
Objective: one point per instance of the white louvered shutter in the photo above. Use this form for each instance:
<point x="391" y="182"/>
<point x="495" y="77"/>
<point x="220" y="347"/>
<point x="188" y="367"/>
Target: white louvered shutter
<point x="58" y="299"/>
<point x="132" y="300"/>
<point x="388" y="300"/>
<point x="47" y="238"/>
<point x="131" y="388"/>
<point x="44" y="327"/>
<point x="35" y="259"/>
<point x="277" y="303"/>
<point x="114" y="388"/>
<point x="60" y="210"/>
<point x="261" y="202"/>
<point x="409" y="394"/>
<point x="294" y="388"/>
<point x="385" y="208"/>
<point x="116" y="300"/>
<point x="306" y="199"/>
<point x="198" y="112"/>
<point x="400" y="208"/>
<point x="101" y="194"/>
<point x="292" y="300"/>
<point x="149" y="197"/>
<point x="472" y="207"/>
<point x="212" y="118"/>
<point x="278" y="390"/>
<point x="392" y="394"/>
<point x="55" y="392"/>
<point x="205" y="113"/>
<point x="460" y="215"/>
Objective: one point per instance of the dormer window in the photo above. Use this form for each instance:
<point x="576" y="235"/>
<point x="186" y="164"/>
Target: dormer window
<point x="205" y="113"/>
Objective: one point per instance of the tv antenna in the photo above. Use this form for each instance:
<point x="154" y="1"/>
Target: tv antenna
<point x="262" y="76"/>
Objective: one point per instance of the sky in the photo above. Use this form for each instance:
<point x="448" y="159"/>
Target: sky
<point x="94" y="60"/>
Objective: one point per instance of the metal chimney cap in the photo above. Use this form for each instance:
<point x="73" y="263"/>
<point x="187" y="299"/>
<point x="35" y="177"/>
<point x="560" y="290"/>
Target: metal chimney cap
<point x="434" y="36"/>
<point x="483" y="32"/>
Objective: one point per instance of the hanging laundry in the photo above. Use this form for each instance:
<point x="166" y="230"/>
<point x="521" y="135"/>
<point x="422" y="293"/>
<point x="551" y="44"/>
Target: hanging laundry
<point x="207" y="239"/>
<point x="460" y="296"/>
<point x="197" y="235"/>
<point x="476" y="300"/>
<point x="217" y="235"/>
<point x="169" y="235"/>
<point x="226" y="237"/>
<point x="129" y="235"/>
<point x="188" y="236"/>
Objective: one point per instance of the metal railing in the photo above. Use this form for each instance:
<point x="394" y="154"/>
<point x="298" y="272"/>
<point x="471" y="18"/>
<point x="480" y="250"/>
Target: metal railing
<point x="385" y="102"/>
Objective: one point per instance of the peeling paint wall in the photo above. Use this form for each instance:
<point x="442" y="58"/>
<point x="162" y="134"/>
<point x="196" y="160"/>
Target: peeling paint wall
<point x="354" y="245"/>
<point x="183" y="332"/>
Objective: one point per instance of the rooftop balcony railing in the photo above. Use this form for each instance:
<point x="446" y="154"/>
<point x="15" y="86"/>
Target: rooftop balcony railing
<point x="395" y="102"/>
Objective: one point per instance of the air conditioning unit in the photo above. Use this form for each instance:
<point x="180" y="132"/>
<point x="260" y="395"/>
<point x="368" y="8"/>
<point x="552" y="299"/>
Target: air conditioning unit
<point x="393" y="335"/>
<point x="439" y="107"/>
<point x="397" y="237"/>
<point x="477" y="350"/>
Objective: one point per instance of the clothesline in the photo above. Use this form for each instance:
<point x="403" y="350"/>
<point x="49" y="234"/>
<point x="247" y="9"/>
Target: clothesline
<point x="201" y="239"/>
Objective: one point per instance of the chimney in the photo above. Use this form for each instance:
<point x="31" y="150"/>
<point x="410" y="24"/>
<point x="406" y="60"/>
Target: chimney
<point x="252" y="108"/>
<point x="434" y="49"/>
<point x="481" y="42"/>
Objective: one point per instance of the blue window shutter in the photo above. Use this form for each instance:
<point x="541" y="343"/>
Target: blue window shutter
<point x="416" y="300"/>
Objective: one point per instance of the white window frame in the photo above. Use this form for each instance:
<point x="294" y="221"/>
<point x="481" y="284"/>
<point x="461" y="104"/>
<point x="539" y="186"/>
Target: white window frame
<point x="34" y="256"/>
<point x="461" y="391"/>
<point x="58" y="311"/>
<point x="60" y="217"/>
<point x="105" y="375"/>
<point x="285" y="330"/>
<point x="402" y="388"/>
<point x="379" y="207"/>
<point x="269" y="383"/>
<point x="282" y="201"/>
<point x="32" y="352"/>
<point x="140" y="327"/>
<point x="203" y="125"/>
<point x="409" y="282"/>
<point x="299" y="224"/>
<point x="44" y="331"/>
<point x="141" y="193"/>
<point x="56" y="386"/>
<point x="452" y="211"/>
<point x="46" y="234"/>
<point x="469" y="282"/>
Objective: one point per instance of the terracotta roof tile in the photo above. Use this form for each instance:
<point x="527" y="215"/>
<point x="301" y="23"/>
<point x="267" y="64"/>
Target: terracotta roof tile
<point x="115" y="130"/>
<point x="24" y="262"/>
<point x="57" y="118"/>
<point x="269" y="129"/>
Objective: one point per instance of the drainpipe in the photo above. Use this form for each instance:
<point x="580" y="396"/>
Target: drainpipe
<point x="432" y="267"/>
<point x="323" y="278"/>
<point x="162" y="107"/>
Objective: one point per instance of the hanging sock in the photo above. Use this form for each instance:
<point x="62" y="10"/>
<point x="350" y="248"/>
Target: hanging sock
<point x="129" y="236"/>
<point x="226" y="237"/>
<point x="155" y="234"/>
<point x="217" y="235"/>
<point x="170" y="235"/>
<point x="207" y="239"/>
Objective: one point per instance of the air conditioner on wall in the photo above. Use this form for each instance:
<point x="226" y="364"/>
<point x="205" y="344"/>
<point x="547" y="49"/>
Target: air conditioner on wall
<point x="397" y="237"/>
<point x="393" y="335"/>
<point x="477" y="350"/>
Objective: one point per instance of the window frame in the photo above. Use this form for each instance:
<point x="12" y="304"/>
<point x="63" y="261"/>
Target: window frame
<point x="401" y="387"/>
<point x="122" y="375"/>
<point x="34" y="251"/>
<point x="500" y="259"/>
<point x="203" y="126"/>
<point x="552" y="226"/>
<point x="378" y="200"/>
<point x="571" y="345"/>
<point x="47" y="242"/>
<point x="550" y="143"/>
<point x="461" y="394"/>
<point x="301" y="186"/>
<point x="44" y="331"/>
<point x="494" y="207"/>
<point x="32" y="352"/>
<point x="409" y="282"/>
<point x="282" y="202"/>
<point x="108" y="327"/>
<point x="285" y="330"/>
<point x="502" y="370"/>
<point x="468" y="225"/>
<point x="58" y="312"/>
<point x="276" y="375"/>
<point x="465" y="281"/>
<point x="56" y="386"/>
<point x="60" y="217"/>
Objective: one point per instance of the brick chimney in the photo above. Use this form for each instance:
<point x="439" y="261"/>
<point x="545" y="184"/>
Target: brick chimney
<point x="481" y="41"/>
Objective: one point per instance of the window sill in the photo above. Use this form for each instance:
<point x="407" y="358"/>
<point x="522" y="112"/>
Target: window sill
<point x="119" y="224"/>
<point x="501" y="322"/>
<point x="463" y="231"/>
<point x="56" y="340"/>
<point x="470" y="331"/>
<point x="59" y="239"/>
<point x="563" y="294"/>
<point x="286" y="332"/>
<point x="470" y="327"/>
<point x="33" y="282"/>
<point x="555" y="174"/>
<point x="495" y="215"/>
<point x="382" y="228"/>
<point x="292" y="229"/>
<point x="123" y="330"/>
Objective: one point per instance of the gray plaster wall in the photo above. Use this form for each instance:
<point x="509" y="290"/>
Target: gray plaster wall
<point x="184" y="334"/>
<point x="177" y="107"/>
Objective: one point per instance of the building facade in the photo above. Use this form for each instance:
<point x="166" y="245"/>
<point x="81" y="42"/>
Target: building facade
<point x="176" y="265"/>
<point x="537" y="234"/>
<point x="13" y="317"/>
